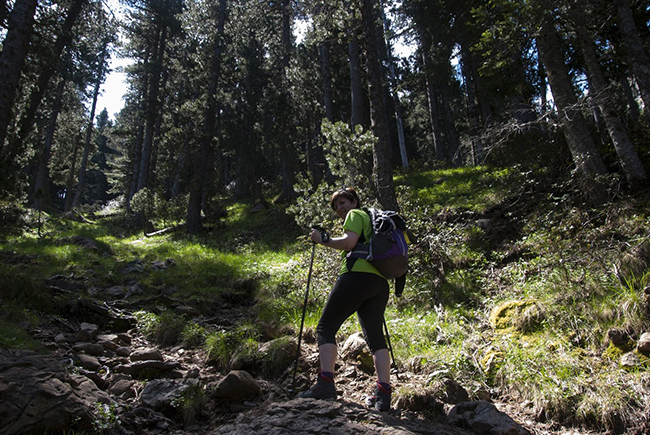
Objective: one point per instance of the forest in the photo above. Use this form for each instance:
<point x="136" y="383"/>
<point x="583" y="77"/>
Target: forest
<point x="223" y="100"/>
<point x="512" y="134"/>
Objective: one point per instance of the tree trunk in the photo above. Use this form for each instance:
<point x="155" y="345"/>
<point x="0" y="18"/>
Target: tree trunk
<point x="390" y="60"/>
<point x="434" y="111"/>
<point x="152" y="109"/>
<point x="81" y="184"/>
<point x="326" y="79"/>
<point x="585" y="154"/>
<point x="69" y="184"/>
<point x="638" y="58"/>
<point x="26" y="122"/>
<point x="205" y="153"/>
<point x="356" y="84"/>
<point x="42" y="181"/>
<point x="382" y="168"/>
<point x="12" y="59"/>
<point x="627" y="155"/>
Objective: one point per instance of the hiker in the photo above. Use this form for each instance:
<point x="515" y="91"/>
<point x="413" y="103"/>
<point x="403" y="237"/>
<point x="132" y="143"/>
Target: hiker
<point x="359" y="288"/>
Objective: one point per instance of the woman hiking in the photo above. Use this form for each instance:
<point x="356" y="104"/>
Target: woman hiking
<point x="359" y="288"/>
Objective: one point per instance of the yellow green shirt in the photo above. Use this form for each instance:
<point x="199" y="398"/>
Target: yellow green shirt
<point x="358" y="221"/>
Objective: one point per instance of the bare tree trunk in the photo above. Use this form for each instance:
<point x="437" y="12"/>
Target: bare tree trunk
<point x="69" y="184"/>
<point x="382" y="168"/>
<point x="12" y="59"/>
<point x="42" y="181"/>
<point x="393" y="92"/>
<point x="638" y="58"/>
<point x="627" y="155"/>
<point x="81" y="184"/>
<point x="209" y="125"/>
<point x="152" y="110"/>
<point x="434" y="111"/>
<point x="356" y="86"/>
<point x="585" y="154"/>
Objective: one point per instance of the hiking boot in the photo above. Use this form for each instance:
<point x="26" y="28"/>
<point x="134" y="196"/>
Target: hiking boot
<point x="323" y="389"/>
<point x="380" y="400"/>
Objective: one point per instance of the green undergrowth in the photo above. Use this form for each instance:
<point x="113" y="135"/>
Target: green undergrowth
<point x="514" y="284"/>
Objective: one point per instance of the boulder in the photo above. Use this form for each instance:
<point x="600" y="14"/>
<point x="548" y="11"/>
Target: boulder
<point x="237" y="385"/>
<point x="87" y="332"/>
<point x="39" y="396"/>
<point x="160" y="394"/>
<point x="356" y="350"/>
<point x="484" y="418"/>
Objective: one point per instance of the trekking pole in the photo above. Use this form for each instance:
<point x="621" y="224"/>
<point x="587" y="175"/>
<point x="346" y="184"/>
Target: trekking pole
<point x="391" y="349"/>
<point x="302" y="322"/>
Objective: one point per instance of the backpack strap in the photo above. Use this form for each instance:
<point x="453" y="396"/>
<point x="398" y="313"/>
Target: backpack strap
<point x="350" y="261"/>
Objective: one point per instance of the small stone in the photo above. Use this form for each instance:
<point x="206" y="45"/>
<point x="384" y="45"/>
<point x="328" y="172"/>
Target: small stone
<point x="146" y="355"/>
<point x="644" y="343"/>
<point x="89" y="348"/>
<point x="88" y="362"/>
<point x="630" y="360"/>
<point x="123" y="351"/>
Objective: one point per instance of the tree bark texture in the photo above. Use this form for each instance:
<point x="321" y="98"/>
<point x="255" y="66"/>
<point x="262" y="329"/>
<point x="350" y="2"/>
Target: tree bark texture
<point x="586" y="157"/>
<point x="26" y="123"/>
<point x="152" y="108"/>
<point x="206" y="151"/>
<point x="638" y="58"/>
<point x="81" y="183"/>
<point x="42" y="180"/>
<point x="627" y="155"/>
<point x="382" y="167"/>
<point x="12" y="59"/>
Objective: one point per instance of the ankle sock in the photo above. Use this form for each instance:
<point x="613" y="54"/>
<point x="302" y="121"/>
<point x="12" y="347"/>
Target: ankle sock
<point x="327" y="376"/>
<point x="384" y="387"/>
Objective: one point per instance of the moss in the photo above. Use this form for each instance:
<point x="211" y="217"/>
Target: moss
<point x="523" y="316"/>
<point x="615" y="352"/>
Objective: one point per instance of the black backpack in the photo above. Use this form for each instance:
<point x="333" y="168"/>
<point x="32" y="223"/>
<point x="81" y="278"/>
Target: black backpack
<point x="387" y="249"/>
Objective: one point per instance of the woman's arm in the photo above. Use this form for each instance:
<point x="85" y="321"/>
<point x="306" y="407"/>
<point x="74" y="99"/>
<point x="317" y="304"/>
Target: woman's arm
<point x="344" y="243"/>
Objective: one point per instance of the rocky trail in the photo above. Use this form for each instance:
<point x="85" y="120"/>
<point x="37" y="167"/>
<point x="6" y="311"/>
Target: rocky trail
<point x="99" y="374"/>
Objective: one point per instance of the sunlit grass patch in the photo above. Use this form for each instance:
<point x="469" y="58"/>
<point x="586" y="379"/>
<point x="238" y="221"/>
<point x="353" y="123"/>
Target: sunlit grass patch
<point x="473" y="188"/>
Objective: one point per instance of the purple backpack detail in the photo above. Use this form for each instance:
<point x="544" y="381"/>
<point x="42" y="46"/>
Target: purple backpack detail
<point x="387" y="249"/>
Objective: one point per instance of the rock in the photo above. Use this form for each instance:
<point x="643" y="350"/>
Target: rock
<point x="88" y="362"/>
<point x="39" y="396"/>
<point x="484" y="418"/>
<point x="149" y="354"/>
<point x="356" y="350"/>
<point x="135" y="266"/>
<point x="123" y="351"/>
<point x="237" y="385"/>
<point x="630" y="360"/>
<point x="162" y="265"/>
<point x="87" y="332"/>
<point x="122" y="386"/>
<point x="147" y="369"/>
<point x="454" y="392"/>
<point x="88" y="348"/>
<point x="644" y="343"/>
<point x="310" y="416"/>
<point x="187" y="310"/>
<point x="618" y="337"/>
<point x="160" y="394"/>
<point x="115" y="292"/>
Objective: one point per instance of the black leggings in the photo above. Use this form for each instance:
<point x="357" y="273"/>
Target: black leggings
<point x="360" y="292"/>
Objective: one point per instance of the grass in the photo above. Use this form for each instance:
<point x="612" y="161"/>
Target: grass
<point x="520" y="308"/>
